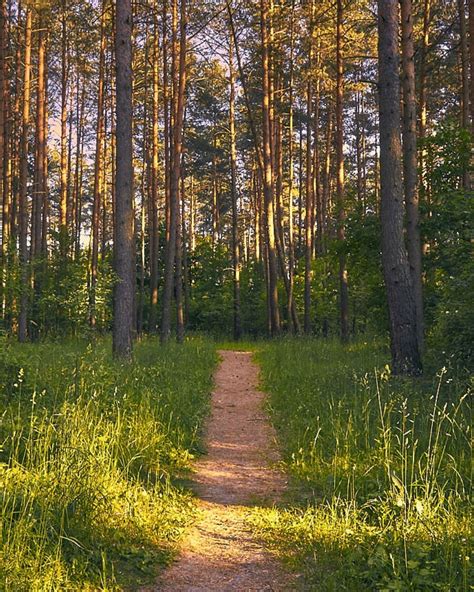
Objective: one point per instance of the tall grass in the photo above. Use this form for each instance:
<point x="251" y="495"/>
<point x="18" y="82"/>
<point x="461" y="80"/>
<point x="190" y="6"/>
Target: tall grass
<point x="91" y="453"/>
<point x="381" y="469"/>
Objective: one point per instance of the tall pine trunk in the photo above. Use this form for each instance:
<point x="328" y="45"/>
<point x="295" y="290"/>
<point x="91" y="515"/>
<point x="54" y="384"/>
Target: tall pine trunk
<point x="410" y="164"/>
<point x="23" y="182"/>
<point x="341" y="212"/>
<point x="274" y="312"/>
<point x="233" y="191"/>
<point x="124" y="251"/>
<point x="153" y="232"/>
<point x="309" y="181"/>
<point x="398" y="282"/>
<point x="98" y="170"/>
<point x="179" y="84"/>
<point x="63" y="200"/>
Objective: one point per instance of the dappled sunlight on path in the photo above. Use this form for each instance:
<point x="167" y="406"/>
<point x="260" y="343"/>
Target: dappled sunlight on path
<point x="220" y="553"/>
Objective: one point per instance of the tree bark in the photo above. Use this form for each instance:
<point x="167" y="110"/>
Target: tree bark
<point x="4" y="158"/>
<point x="179" y="75"/>
<point x="410" y="165"/>
<point x="40" y="139"/>
<point x="233" y="192"/>
<point x="268" y="177"/>
<point x="464" y="65"/>
<point x="309" y="182"/>
<point x="341" y="213"/>
<point x="154" y="237"/>
<point x="465" y="123"/>
<point x="63" y="201"/>
<point x="291" y="173"/>
<point x="471" y="61"/>
<point x="98" y="170"/>
<point x="23" y="182"/>
<point x="398" y="283"/>
<point x="423" y="95"/>
<point x="124" y="252"/>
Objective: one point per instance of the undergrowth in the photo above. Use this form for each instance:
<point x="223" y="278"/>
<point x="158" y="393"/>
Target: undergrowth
<point x="381" y="470"/>
<point x="90" y="460"/>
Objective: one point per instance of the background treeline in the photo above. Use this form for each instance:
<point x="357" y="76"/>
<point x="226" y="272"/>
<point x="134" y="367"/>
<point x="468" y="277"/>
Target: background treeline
<point x="256" y="158"/>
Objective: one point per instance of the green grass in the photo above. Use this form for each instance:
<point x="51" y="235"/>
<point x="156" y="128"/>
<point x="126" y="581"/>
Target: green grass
<point x="380" y="467"/>
<point x="91" y="456"/>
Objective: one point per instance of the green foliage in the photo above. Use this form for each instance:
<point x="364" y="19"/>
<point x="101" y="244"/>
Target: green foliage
<point x="448" y="229"/>
<point x="63" y="305"/>
<point x="90" y="454"/>
<point x="367" y="291"/>
<point x="211" y="305"/>
<point x="381" y="469"/>
<point x="253" y="299"/>
<point x="211" y="308"/>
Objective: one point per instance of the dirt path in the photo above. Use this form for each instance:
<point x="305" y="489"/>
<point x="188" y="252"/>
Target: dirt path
<point x="219" y="554"/>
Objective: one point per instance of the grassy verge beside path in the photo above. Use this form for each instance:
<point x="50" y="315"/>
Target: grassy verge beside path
<point x="90" y="453"/>
<point x="381" y="468"/>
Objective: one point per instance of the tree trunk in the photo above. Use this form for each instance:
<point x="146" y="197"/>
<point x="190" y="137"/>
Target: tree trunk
<point x="268" y="177"/>
<point x="4" y="158"/>
<point x="63" y="201"/>
<point x="179" y="261"/>
<point x="464" y="65"/>
<point x="465" y="80"/>
<point x="40" y="139"/>
<point x="423" y="94"/>
<point x="309" y="182"/>
<point x="178" y="75"/>
<point x="23" y="198"/>
<point x="399" y="286"/>
<point x="233" y="191"/>
<point x="124" y="252"/>
<point x="78" y="167"/>
<point x="154" y="236"/>
<point x="98" y="170"/>
<point x="326" y="199"/>
<point x="145" y="192"/>
<point x="410" y="165"/>
<point x="471" y="61"/>
<point x="341" y="213"/>
<point x="291" y="173"/>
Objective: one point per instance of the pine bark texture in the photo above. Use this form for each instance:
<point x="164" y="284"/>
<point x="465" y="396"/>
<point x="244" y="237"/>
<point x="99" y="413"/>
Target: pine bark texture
<point x="341" y="213"/>
<point x="233" y="189"/>
<point x="23" y="181"/>
<point x="410" y="164"/>
<point x="268" y="189"/>
<point x="398" y="282"/>
<point x="124" y="263"/>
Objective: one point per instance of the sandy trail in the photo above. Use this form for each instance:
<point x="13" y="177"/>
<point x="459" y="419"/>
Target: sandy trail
<point x="219" y="553"/>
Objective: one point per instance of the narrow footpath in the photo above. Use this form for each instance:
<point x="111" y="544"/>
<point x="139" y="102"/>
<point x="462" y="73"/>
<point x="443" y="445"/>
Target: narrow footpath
<point x="220" y="553"/>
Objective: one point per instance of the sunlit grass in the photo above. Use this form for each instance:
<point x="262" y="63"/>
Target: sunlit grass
<point x="91" y="450"/>
<point x="381" y="470"/>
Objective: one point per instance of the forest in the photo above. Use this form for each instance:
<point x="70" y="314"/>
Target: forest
<point x="227" y="212"/>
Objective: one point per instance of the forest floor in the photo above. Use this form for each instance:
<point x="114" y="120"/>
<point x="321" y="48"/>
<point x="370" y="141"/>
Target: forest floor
<point x="238" y="472"/>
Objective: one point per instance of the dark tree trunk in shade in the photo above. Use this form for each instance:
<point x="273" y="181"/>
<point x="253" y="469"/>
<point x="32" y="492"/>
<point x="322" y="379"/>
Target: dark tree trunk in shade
<point x="471" y="61"/>
<point x="23" y="174"/>
<point x="410" y="164"/>
<point x="309" y="182"/>
<point x="465" y="68"/>
<point x="341" y="212"/>
<point x="398" y="282"/>
<point x="154" y="235"/>
<point x="179" y="86"/>
<point x="233" y="190"/>
<point x="124" y="263"/>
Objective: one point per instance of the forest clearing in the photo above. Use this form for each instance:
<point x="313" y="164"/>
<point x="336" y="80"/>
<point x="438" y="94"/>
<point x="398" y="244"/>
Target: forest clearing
<point x="236" y="295"/>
